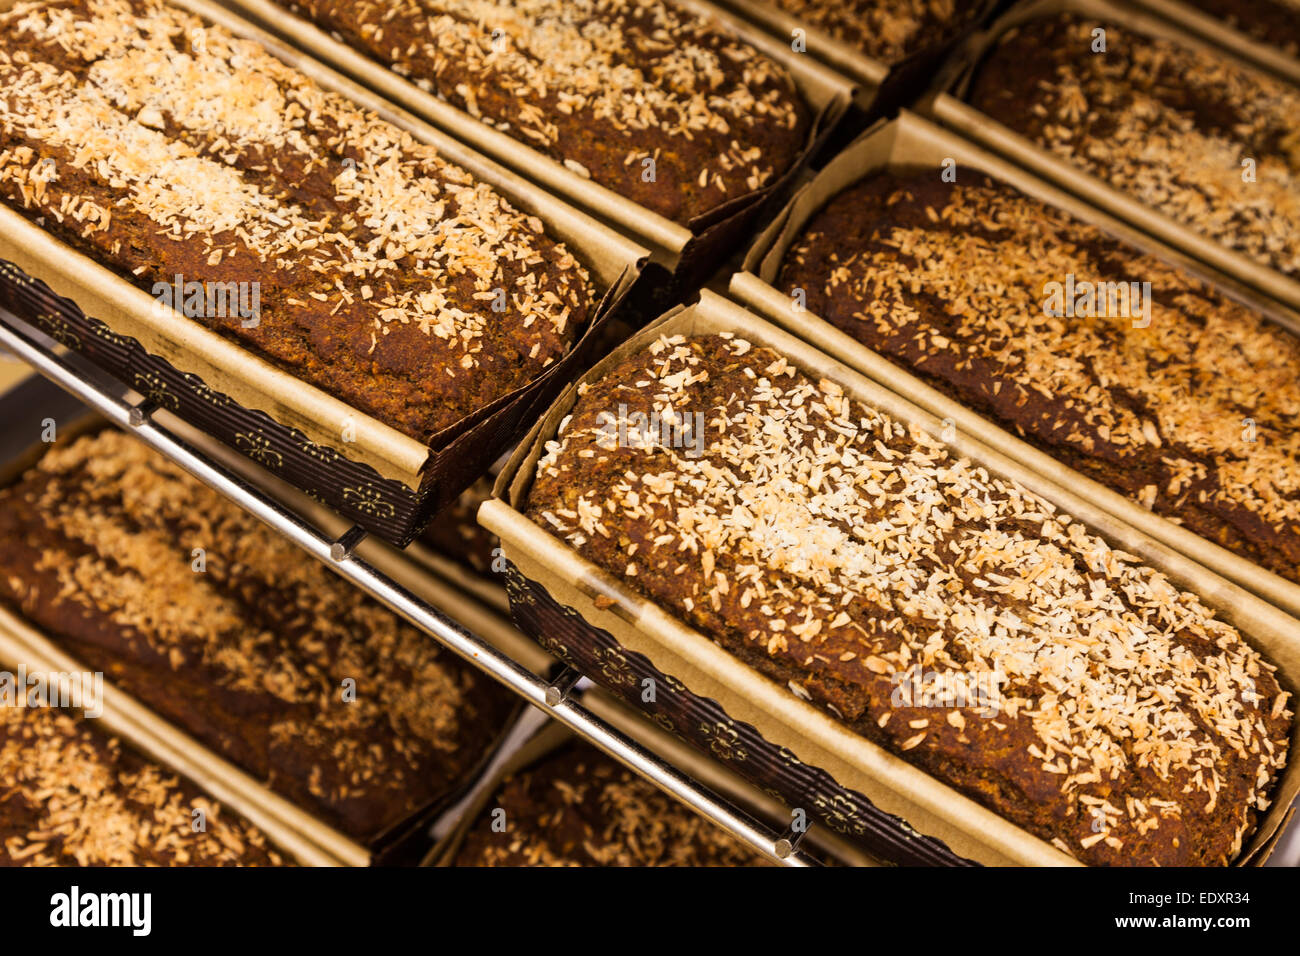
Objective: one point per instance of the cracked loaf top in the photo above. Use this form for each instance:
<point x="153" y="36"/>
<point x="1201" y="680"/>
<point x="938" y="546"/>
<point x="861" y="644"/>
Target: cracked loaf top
<point x="602" y="86"/>
<point x="162" y="146"/>
<point x="953" y="617"/>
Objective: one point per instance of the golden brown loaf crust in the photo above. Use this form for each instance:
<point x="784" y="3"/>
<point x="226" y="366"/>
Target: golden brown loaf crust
<point x="257" y="651"/>
<point x="1164" y="123"/>
<point x="1192" y="416"/>
<point x="951" y="616"/>
<point x="578" y="807"/>
<point x="74" y="796"/>
<point x="598" y="85"/>
<point x="885" y="30"/>
<point x="161" y="146"/>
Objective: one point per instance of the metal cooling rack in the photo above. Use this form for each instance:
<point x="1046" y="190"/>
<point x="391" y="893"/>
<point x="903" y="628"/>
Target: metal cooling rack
<point x="552" y="695"/>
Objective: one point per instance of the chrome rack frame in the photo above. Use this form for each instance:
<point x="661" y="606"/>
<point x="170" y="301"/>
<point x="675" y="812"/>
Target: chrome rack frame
<point x="89" y="385"/>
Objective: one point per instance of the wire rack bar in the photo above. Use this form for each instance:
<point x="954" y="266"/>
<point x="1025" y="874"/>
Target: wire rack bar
<point x="77" y="377"/>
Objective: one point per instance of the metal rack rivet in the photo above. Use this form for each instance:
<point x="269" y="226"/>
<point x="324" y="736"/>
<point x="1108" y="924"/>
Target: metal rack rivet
<point x="141" y="413"/>
<point x="561" y="686"/>
<point x="346" y="543"/>
<point x="789" y="842"/>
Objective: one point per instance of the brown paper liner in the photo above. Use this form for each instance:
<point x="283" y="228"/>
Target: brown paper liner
<point x="909" y="143"/>
<point x="945" y="105"/>
<point x="597" y="602"/>
<point x="384" y="480"/>
<point x="1216" y="31"/>
<point x="688" y="253"/>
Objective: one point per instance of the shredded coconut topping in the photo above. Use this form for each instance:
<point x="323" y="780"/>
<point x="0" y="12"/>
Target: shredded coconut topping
<point x="852" y="549"/>
<point x="1168" y="124"/>
<point x="1194" y="412"/>
<point x="132" y="120"/>
<point x="74" y="797"/>
<point x="257" y="646"/>
<point x="600" y="85"/>
<point x="885" y="29"/>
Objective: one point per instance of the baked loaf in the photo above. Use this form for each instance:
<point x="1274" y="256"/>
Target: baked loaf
<point x="598" y="85"/>
<point x="886" y="30"/>
<point x="1274" y="22"/>
<point x="953" y="617"/>
<point x="74" y="796"/>
<point x="164" y="147"/>
<point x="578" y="807"/>
<point x="1192" y="416"/>
<point x="1170" y="125"/>
<point x="223" y="628"/>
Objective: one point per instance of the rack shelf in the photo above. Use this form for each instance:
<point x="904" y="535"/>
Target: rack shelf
<point x="553" y="696"/>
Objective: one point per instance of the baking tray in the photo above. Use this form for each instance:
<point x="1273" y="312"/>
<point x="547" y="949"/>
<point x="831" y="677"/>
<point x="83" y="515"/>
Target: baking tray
<point x="588" y="617"/>
<point x="911" y="142"/>
<point x="382" y="479"/>
<point x="682" y="255"/>
<point x="945" y="105"/>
